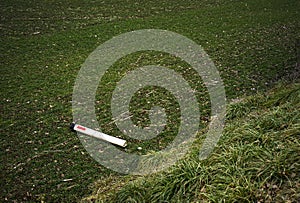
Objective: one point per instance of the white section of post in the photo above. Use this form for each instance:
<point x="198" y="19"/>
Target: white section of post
<point x="99" y="135"/>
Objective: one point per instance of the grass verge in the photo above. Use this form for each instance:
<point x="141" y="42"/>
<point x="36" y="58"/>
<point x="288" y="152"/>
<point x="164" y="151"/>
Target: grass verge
<point x="257" y="160"/>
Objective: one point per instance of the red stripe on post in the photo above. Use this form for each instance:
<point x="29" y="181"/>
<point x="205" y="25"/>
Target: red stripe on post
<point x="81" y="128"/>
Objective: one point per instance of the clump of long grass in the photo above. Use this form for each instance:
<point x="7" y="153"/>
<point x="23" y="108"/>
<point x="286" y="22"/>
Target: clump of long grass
<point x="257" y="159"/>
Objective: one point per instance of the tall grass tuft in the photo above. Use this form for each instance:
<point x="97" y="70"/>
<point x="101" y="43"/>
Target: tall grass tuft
<point x="257" y="159"/>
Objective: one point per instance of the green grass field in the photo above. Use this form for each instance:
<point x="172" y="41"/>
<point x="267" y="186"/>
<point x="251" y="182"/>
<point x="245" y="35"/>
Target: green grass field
<point x="254" y="44"/>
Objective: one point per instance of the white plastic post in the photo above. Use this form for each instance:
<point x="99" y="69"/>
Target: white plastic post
<point x="99" y="135"/>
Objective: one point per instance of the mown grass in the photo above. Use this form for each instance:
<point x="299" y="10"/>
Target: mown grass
<point x="44" y="43"/>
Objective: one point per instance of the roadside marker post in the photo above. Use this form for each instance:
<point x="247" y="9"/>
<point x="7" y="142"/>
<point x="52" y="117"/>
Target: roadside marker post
<point x="97" y="134"/>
